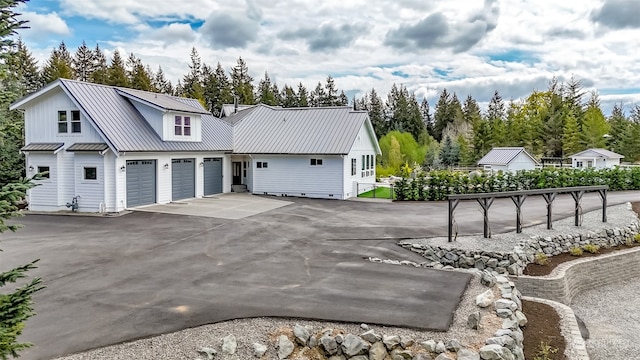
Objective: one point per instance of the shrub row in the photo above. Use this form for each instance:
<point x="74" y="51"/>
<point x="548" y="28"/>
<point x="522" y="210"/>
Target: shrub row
<point x="436" y="185"/>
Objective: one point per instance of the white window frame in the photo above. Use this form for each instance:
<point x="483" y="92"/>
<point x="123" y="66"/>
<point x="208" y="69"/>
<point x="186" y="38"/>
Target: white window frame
<point x="75" y="122"/>
<point x="262" y="165"/>
<point x="579" y="163"/>
<point x="64" y="122"/>
<point x="45" y="177"/>
<point x="316" y="162"/>
<point x="354" y="166"/>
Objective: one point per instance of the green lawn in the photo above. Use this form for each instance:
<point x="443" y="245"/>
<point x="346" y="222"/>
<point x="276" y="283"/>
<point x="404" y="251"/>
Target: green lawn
<point x="380" y="192"/>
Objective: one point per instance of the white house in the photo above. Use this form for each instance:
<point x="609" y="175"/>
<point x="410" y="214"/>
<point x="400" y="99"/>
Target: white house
<point x="114" y="148"/>
<point x="596" y="158"/>
<point x="508" y="159"/>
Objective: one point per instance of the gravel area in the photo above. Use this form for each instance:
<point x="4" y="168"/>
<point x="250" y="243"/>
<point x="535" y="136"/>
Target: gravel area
<point x="612" y="316"/>
<point x="184" y="344"/>
<point x="617" y="216"/>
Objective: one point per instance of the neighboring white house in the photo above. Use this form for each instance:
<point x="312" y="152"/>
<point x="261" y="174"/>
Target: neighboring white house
<point x="115" y="148"/>
<point x="596" y="158"/>
<point x="508" y="159"/>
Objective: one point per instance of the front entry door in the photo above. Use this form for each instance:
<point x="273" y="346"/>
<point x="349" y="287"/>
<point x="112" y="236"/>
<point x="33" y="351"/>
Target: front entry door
<point x="237" y="173"/>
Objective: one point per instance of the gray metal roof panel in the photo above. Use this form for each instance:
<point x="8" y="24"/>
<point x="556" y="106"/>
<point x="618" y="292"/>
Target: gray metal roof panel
<point x="502" y="156"/>
<point x="126" y="128"/>
<point x="42" y="147"/>
<point x="601" y="152"/>
<point x="88" y="147"/>
<point x="164" y="101"/>
<point x="269" y="130"/>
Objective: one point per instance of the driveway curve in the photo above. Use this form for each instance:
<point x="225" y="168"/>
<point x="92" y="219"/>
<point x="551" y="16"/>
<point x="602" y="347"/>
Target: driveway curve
<point x="117" y="279"/>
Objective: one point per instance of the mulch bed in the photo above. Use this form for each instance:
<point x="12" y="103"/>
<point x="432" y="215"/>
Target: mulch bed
<point x="543" y="322"/>
<point x="543" y="327"/>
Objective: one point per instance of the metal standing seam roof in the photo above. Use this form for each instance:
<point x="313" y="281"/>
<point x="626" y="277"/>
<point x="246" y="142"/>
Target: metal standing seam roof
<point x="602" y="152"/>
<point x="127" y="130"/>
<point x="164" y="101"/>
<point x="42" y="147"/>
<point x="503" y="156"/>
<point x="88" y="147"/>
<point x="269" y="130"/>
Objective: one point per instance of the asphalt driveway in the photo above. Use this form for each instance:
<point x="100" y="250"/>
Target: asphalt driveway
<point x="116" y="279"/>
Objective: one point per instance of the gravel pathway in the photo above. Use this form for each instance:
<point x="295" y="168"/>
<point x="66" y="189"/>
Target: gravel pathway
<point x="184" y="344"/>
<point x="612" y="315"/>
<point x="617" y="216"/>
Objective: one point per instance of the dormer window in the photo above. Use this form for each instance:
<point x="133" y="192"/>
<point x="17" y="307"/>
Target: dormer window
<point x="182" y="125"/>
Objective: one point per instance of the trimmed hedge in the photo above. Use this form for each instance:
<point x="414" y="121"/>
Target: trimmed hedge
<point x="436" y="185"/>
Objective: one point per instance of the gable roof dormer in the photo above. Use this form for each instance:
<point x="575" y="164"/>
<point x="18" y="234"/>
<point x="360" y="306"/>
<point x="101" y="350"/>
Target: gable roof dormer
<point x="163" y="102"/>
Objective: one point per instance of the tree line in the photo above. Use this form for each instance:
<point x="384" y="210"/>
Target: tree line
<point x="556" y="122"/>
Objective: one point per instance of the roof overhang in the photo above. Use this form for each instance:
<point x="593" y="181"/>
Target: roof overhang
<point x="158" y="107"/>
<point x="42" y="147"/>
<point x="20" y="103"/>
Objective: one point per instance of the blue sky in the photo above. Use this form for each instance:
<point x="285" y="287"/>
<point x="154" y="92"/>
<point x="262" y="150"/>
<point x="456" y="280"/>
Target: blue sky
<point x="467" y="46"/>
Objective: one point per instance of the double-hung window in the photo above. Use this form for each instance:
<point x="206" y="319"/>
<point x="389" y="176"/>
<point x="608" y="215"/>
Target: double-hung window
<point x="182" y="126"/>
<point x="62" y="122"/>
<point x="76" y="125"/>
<point x="353" y="167"/>
<point x="178" y="125"/>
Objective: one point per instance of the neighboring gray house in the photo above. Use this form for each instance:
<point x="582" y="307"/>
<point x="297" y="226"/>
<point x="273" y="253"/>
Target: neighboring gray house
<point x="596" y="158"/>
<point x="508" y="159"/>
<point x="115" y="148"/>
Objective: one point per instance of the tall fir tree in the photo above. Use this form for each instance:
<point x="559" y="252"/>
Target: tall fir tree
<point x="303" y="96"/>
<point x="160" y="82"/>
<point x="288" y="97"/>
<point x="265" y="93"/>
<point x="242" y="83"/>
<point x="58" y="66"/>
<point x="117" y="72"/>
<point x="571" y="138"/>
<point x="192" y="82"/>
<point x="595" y="126"/>
<point x="217" y="89"/>
<point x="23" y="67"/>
<point x="496" y="118"/>
<point x="100" y="74"/>
<point x="442" y="115"/>
<point x="83" y="62"/>
<point x="138" y="74"/>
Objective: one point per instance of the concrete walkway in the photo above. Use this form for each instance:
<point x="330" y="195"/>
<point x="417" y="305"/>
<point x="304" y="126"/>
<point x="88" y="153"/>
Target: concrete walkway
<point x="224" y="206"/>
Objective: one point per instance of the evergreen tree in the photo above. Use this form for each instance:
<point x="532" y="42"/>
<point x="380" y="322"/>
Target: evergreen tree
<point x="620" y="129"/>
<point x="288" y="96"/>
<point x="303" y="96"/>
<point x="571" y="137"/>
<point x="192" y="82"/>
<point x="633" y="152"/>
<point x="449" y="153"/>
<point x="16" y="305"/>
<point x="83" y="65"/>
<point x="138" y="74"/>
<point x="117" y="72"/>
<point x="496" y="118"/>
<point x="343" y="100"/>
<point x="23" y="67"/>
<point x="241" y="83"/>
<point x="481" y="141"/>
<point x="100" y="74"/>
<point x="330" y="97"/>
<point x="442" y="115"/>
<point x="573" y="94"/>
<point x="466" y="153"/>
<point x="318" y="96"/>
<point x="265" y="93"/>
<point x="552" y="116"/>
<point x="376" y="113"/>
<point x="217" y="90"/>
<point x="160" y="83"/>
<point x="595" y="125"/>
<point x="426" y="116"/>
<point x="58" y="66"/>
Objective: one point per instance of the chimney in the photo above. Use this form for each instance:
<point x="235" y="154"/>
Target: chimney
<point x="235" y="105"/>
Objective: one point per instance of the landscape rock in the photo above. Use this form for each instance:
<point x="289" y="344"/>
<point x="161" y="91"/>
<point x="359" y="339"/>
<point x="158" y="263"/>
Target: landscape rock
<point x="443" y="357"/>
<point x="391" y="341"/>
<point x="399" y="354"/>
<point x="302" y="334"/>
<point x="468" y="354"/>
<point x="354" y="345"/>
<point x="488" y="279"/>
<point x="329" y="344"/>
<point x="440" y="347"/>
<point x="429" y="345"/>
<point x="504" y="313"/>
<point x="473" y="321"/>
<point x="338" y="357"/>
<point x="521" y="318"/>
<point x="406" y="342"/>
<point x="359" y="357"/>
<point x="370" y="336"/>
<point x="285" y="347"/>
<point x="377" y="351"/>
<point x="495" y="352"/>
<point x="229" y="345"/>
<point x="209" y="352"/>
<point x="453" y="345"/>
<point x="422" y="356"/>
<point x="259" y="350"/>
<point x="364" y="326"/>
<point x="506" y="304"/>
<point x="485" y="299"/>
<point x="339" y="339"/>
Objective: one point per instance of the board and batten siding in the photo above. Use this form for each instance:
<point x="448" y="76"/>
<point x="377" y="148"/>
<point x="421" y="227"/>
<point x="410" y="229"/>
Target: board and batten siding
<point x="110" y="173"/>
<point x="90" y="193"/>
<point x="292" y="175"/>
<point x="169" y="130"/>
<point x="164" y="177"/>
<point x="44" y="197"/>
<point x="363" y="145"/>
<point x="41" y="121"/>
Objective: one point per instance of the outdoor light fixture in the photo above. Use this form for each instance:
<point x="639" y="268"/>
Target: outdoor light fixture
<point x="123" y="168"/>
<point x="31" y="168"/>
<point x="166" y="166"/>
<point x="201" y="164"/>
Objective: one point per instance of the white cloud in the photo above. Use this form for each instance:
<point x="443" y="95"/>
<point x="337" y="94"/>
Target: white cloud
<point x="43" y="24"/>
